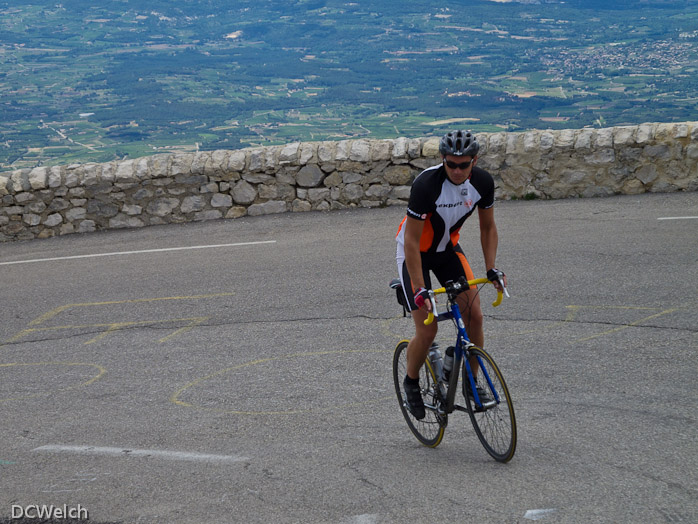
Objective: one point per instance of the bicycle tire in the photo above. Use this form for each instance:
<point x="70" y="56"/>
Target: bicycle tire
<point x="495" y="426"/>
<point x="429" y="430"/>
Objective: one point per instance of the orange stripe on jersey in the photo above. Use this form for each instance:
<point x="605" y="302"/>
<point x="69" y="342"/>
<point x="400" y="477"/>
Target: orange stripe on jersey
<point x="402" y="224"/>
<point x="455" y="237"/>
<point x="466" y="266"/>
<point x="427" y="238"/>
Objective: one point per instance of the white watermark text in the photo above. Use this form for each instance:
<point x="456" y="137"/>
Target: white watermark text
<point x="44" y="511"/>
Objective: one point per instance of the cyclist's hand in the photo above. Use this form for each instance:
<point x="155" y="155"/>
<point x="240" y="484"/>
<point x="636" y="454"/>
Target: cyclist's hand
<point x="421" y="298"/>
<point x="494" y="276"/>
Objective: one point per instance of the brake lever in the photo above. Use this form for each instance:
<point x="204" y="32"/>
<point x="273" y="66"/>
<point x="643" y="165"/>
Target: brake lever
<point x="433" y="303"/>
<point x="433" y="313"/>
<point x="504" y="288"/>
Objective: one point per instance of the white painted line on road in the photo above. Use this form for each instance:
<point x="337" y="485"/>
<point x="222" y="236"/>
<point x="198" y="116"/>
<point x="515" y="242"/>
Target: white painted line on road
<point x="677" y="218"/>
<point x="117" y="253"/>
<point x="366" y="518"/>
<point x="154" y="453"/>
<point x="538" y="514"/>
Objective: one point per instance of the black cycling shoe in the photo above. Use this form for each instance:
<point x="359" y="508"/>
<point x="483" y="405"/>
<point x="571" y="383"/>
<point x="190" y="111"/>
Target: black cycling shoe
<point x="415" y="404"/>
<point x="484" y="394"/>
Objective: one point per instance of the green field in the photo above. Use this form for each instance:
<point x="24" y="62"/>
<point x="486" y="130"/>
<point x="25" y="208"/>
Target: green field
<point x="83" y="82"/>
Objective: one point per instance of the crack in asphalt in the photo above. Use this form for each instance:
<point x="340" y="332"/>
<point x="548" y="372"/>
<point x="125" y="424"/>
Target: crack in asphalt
<point x="158" y="326"/>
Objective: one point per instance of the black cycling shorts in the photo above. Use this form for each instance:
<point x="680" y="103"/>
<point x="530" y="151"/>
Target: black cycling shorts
<point x="446" y="265"/>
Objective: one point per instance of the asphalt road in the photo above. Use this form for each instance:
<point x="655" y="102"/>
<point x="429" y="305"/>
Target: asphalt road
<point x="252" y="382"/>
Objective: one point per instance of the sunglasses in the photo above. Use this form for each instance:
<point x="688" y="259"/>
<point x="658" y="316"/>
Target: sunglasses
<point x="462" y="165"/>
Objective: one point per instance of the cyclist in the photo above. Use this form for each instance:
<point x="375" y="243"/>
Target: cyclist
<point x="441" y="199"/>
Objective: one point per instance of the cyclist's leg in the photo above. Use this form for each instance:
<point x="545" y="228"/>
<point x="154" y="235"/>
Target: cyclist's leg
<point x="418" y="347"/>
<point x="469" y="304"/>
<point x="454" y="267"/>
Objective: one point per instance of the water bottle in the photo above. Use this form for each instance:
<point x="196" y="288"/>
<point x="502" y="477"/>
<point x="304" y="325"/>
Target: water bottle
<point x="437" y="365"/>
<point x="448" y="363"/>
<point x="436" y="360"/>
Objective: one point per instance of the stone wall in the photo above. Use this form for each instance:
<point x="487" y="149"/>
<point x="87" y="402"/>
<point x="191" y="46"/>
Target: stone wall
<point x="174" y="188"/>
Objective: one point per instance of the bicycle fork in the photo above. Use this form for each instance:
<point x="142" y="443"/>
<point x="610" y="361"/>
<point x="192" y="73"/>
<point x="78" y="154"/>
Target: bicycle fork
<point x="473" y="388"/>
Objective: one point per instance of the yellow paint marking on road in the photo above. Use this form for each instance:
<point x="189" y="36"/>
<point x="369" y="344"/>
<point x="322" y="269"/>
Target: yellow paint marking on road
<point x="111" y="327"/>
<point x="573" y="310"/>
<point x="101" y="371"/>
<point x="626" y="326"/>
<point x="175" y="397"/>
<point x="47" y="316"/>
<point x="17" y="337"/>
<point x="54" y="312"/>
<point x="194" y="322"/>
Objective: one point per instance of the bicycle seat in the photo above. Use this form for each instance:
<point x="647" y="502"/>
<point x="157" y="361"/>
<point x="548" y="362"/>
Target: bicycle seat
<point x="396" y="284"/>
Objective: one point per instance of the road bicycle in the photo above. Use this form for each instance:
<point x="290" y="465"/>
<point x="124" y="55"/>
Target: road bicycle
<point x="492" y="415"/>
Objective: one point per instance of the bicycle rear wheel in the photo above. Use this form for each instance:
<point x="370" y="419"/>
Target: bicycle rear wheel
<point x="430" y="430"/>
<point x="494" y="423"/>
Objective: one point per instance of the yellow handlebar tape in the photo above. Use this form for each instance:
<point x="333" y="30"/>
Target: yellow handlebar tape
<point x="475" y="282"/>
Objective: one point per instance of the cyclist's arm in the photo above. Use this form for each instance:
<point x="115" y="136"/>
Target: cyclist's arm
<point x="489" y="238"/>
<point x="413" y="257"/>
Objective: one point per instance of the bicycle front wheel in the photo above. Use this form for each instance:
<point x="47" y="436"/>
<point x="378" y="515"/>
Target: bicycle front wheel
<point x="429" y="430"/>
<point x="494" y="422"/>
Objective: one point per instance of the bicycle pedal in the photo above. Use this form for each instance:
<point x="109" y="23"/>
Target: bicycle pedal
<point x="485" y="406"/>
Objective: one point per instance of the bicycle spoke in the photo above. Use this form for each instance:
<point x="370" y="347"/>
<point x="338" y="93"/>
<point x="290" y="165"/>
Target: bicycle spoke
<point x="429" y="430"/>
<point x="496" y="425"/>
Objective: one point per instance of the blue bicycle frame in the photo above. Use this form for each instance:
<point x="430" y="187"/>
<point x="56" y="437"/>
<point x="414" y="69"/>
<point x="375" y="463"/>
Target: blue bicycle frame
<point x="462" y="345"/>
